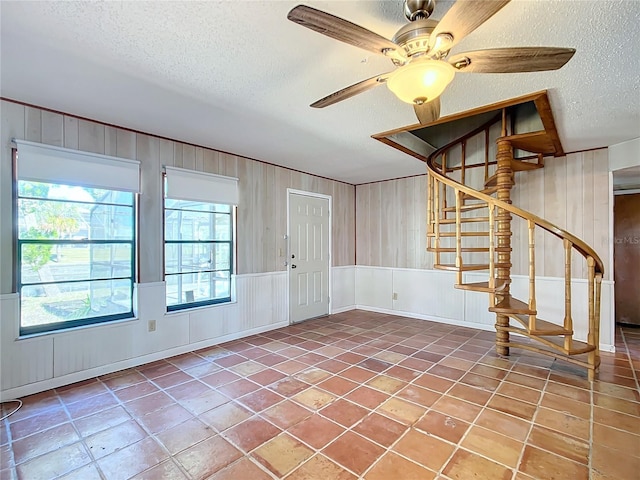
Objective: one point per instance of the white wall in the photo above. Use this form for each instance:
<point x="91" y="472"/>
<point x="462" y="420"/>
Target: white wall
<point x="624" y="155"/>
<point x="430" y="295"/>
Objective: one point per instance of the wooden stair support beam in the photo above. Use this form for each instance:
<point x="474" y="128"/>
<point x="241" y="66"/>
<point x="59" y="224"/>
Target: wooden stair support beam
<point x="458" y="196"/>
<point x="436" y="212"/>
<point x="532" y="274"/>
<point x="568" y="321"/>
<point x="503" y="273"/>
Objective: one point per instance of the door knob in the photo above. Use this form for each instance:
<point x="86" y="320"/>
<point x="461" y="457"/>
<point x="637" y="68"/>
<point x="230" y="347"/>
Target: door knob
<point x="293" y="266"/>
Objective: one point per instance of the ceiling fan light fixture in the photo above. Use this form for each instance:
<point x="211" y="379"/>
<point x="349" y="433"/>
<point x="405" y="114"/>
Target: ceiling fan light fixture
<point x="420" y="81"/>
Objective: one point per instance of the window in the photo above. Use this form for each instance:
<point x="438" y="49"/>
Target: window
<point x="198" y="253"/>
<point x="199" y="231"/>
<point x="75" y="242"/>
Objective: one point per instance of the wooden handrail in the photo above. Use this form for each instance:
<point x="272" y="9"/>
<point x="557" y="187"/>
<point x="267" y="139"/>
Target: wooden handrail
<point x="584" y="249"/>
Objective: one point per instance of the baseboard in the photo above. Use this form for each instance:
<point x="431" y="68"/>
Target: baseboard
<point x="419" y="316"/>
<point x="343" y="309"/>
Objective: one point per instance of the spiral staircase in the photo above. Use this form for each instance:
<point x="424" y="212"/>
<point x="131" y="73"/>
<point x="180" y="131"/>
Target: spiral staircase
<point x="470" y="230"/>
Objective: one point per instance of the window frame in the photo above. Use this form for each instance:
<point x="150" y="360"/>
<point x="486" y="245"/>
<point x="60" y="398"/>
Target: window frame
<point x="18" y="242"/>
<point x="232" y="255"/>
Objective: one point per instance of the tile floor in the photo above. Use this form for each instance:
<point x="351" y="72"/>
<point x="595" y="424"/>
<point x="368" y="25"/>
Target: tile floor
<point x="354" y="395"/>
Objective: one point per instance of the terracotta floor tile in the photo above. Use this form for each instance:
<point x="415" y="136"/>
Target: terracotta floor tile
<point x="286" y="414"/>
<point x="150" y="403"/>
<point x="380" y="429"/>
<point x="166" y="470"/>
<point x="187" y="360"/>
<point x="55" y="463"/>
<point x="316" y="431"/>
<point x="135" y="391"/>
<point x="353" y="452"/>
<point x="433" y="382"/>
<point x="344" y="412"/>
<point x="157" y="369"/>
<point x="392" y="466"/>
<point x="541" y="464"/>
<point x="616" y="439"/>
<point x="81" y="391"/>
<point x="101" y="421"/>
<point x="464" y="465"/>
<point x="219" y="378"/>
<point x="88" y="472"/>
<point x="132" y="460"/>
<point x="367" y="397"/>
<point x="525" y="380"/>
<point x="457" y="408"/>
<point x="357" y="374"/>
<point x="338" y="385"/>
<point x="512" y="427"/>
<point x="443" y="426"/>
<point x="43" y="442"/>
<point x="187" y="390"/>
<point x="351" y="358"/>
<point x="185" y="435"/>
<point x="428" y="451"/>
<point x="203" y="370"/>
<point x="314" y="398"/>
<point x="251" y="433"/>
<point x="282" y="454"/>
<point x="618" y="420"/>
<point x="171" y="380"/>
<point x="416" y="364"/>
<point x="204" y="402"/>
<point x="610" y="464"/>
<point x="386" y="384"/>
<point x="165" y="418"/>
<point x="260" y="400"/>
<point x="512" y="406"/>
<point x="332" y="365"/>
<point x="208" y="457"/>
<point x="631" y="394"/>
<point x="617" y="404"/>
<point x="291" y="366"/>
<point x="446" y="372"/>
<point x="320" y="468"/>
<point x="123" y="379"/>
<point x="401" y="410"/>
<point x="108" y="441"/>
<point x="419" y="395"/>
<point x="37" y="423"/>
<point x="375" y="365"/>
<point x="289" y="386"/>
<point x="560" y="444"/>
<point x="568" y="391"/>
<point x="240" y="470"/>
<point x="90" y="405"/>
<point x="493" y="445"/>
<point x="563" y="423"/>
<point x="566" y="405"/>
<point x="230" y="360"/>
<point x="266" y="376"/>
<point x="247" y="368"/>
<point x="238" y="388"/>
<point x="225" y="416"/>
<point x="519" y="392"/>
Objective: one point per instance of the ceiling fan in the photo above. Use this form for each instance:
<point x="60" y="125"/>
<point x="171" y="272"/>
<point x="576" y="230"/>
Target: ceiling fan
<point x="420" y="51"/>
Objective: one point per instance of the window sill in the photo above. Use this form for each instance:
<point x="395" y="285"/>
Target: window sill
<point x="72" y="330"/>
<point x="182" y="311"/>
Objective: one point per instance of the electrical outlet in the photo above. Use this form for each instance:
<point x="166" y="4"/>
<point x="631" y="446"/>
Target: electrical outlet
<point x="152" y="325"/>
<point x="395" y="296"/>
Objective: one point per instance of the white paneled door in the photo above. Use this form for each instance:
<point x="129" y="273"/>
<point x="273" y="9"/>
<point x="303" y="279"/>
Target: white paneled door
<point x="308" y="257"/>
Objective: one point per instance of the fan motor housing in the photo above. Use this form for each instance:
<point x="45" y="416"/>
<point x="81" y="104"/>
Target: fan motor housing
<point x="414" y="36"/>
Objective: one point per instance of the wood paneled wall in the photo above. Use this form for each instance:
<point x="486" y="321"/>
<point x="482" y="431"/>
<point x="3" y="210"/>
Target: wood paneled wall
<point x="570" y="191"/>
<point x="262" y="212"/>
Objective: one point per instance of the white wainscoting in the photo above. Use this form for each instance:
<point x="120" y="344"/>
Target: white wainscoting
<point x="31" y="365"/>
<point x="430" y="295"/>
<point x="343" y="288"/>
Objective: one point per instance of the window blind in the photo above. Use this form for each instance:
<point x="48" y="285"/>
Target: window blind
<point x="46" y="163"/>
<point x="194" y="186"/>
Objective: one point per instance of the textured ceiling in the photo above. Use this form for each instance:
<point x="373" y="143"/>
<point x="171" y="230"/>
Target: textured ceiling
<point x="238" y="76"/>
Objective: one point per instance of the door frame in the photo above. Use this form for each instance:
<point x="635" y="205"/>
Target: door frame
<point x="293" y="191"/>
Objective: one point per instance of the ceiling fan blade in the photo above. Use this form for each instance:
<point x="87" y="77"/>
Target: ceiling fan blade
<point x="343" y="30"/>
<point x="464" y="17"/>
<point x="428" y="112"/>
<point x="350" y="91"/>
<point x="512" y="60"/>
